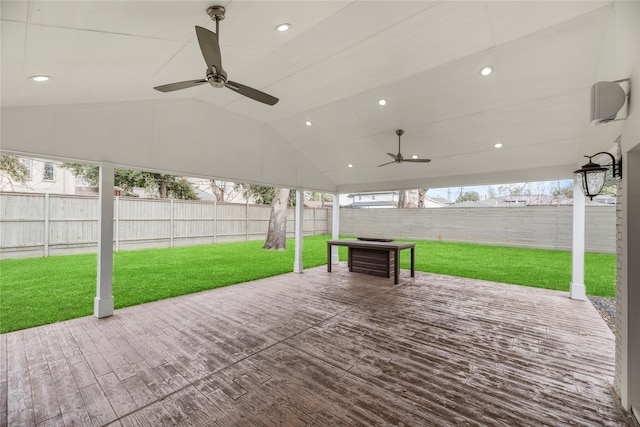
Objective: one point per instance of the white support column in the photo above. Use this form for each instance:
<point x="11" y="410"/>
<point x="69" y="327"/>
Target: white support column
<point x="103" y="302"/>
<point x="335" y="228"/>
<point x="578" y="290"/>
<point x="299" y="232"/>
<point x="47" y="222"/>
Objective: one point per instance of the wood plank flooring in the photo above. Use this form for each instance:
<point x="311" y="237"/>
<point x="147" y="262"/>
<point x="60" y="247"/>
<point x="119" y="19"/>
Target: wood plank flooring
<point x="321" y="349"/>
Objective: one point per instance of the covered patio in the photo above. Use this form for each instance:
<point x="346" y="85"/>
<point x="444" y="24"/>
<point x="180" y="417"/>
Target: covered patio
<point x="322" y="349"/>
<point x="312" y="347"/>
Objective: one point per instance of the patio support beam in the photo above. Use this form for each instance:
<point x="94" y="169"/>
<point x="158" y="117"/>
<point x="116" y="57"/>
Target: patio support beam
<point x="578" y="290"/>
<point x="299" y="232"/>
<point x="335" y="227"/>
<point x="103" y="302"/>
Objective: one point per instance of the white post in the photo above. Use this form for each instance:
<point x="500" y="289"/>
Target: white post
<point x="47" y="224"/>
<point x="117" y="225"/>
<point x="215" y="221"/>
<point x="299" y="232"/>
<point x="335" y="228"/>
<point x="578" y="290"/>
<point x="171" y="223"/>
<point x="103" y="302"/>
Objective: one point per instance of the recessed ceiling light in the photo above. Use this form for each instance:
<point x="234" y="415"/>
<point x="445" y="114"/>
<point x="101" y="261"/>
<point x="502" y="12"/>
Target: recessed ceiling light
<point x="485" y="71"/>
<point x="382" y="102"/>
<point x="308" y="123"/>
<point x="414" y="156"/>
<point x="498" y="145"/>
<point x="349" y="165"/>
<point x="40" y="78"/>
<point x="283" y="27"/>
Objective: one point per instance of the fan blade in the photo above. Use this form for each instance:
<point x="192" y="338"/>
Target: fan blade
<point x="418" y="160"/>
<point x="388" y="163"/>
<point x="210" y="47"/>
<point x="180" y="85"/>
<point x="252" y="93"/>
<point x="393" y="156"/>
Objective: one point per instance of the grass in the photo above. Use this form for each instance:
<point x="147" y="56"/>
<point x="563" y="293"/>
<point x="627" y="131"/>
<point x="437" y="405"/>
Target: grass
<point x="38" y="291"/>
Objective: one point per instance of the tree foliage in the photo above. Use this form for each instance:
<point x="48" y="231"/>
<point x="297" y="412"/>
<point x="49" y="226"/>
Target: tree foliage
<point x="14" y="167"/>
<point x="515" y="189"/>
<point x="468" y="196"/>
<point x="162" y="185"/>
<point x="263" y="194"/>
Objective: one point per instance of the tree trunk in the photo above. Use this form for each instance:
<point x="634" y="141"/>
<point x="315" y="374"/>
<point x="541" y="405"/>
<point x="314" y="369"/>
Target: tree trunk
<point x="277" y="233"/>
<point x="217" y="191"/>
<point x="402" y="199"/>
<point x="422" y="192"/>
<point x="163" y="189"/>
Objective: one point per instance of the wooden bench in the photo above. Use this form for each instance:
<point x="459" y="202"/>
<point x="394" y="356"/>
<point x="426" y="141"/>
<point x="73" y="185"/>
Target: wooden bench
<point x="374" y="257"/>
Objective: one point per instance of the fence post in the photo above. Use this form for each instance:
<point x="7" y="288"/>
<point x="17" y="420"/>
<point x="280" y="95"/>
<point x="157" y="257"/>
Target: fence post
<point x="117" y="226"/>
<point x="246" y="226"/>
<point x="171" y="223"/>
<point x="46" y="223"/>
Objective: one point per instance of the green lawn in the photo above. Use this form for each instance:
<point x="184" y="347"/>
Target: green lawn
<point x="38" y="291"/>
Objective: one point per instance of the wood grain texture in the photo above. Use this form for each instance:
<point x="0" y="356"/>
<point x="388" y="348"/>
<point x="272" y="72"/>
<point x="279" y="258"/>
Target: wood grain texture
<point x="319" y="349"/>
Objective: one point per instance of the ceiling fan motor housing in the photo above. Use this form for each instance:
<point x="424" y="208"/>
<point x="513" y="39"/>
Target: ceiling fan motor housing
<point x="217" y="80"/>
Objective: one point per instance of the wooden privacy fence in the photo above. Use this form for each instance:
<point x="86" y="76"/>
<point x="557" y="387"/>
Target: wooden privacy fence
<point x="545" y="227"/>
<point x="34" y="224"/>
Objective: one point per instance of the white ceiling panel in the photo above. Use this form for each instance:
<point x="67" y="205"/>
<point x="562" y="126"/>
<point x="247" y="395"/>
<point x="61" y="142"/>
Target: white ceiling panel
<point x="14" y="11"/>
<point x="443" y="33"/>
<point x="512" y="20"/>
<point x="331" y="67"/>
<point x="170" y="20"/>
<point x="89" y="66"/>
<point x="12" y="48"/>
<point x="354" y="23"/>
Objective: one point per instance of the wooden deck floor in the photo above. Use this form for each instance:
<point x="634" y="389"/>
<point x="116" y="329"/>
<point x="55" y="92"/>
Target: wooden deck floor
<point x="321" y="349"/>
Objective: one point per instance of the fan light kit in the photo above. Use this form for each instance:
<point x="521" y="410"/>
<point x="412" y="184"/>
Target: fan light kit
<point x="40" y="78"/>
<point x="498" y="145"/>
<point x="308" y="123"/>
<point x="283" y="27"/>
<point x="349" y="165"/>
<point x="215" y="74"/>
<point x="382" y="102"/>
<point x="398" y="158"/>
<point x="485" y="71"/>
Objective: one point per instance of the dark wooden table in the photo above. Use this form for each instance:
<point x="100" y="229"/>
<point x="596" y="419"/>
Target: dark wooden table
<point x="363" y="249"/>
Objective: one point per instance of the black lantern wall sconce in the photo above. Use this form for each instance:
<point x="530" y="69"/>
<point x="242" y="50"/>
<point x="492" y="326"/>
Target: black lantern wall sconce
<point x="591" y="176"/>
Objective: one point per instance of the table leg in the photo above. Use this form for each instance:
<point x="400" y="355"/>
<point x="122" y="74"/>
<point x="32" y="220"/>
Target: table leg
<point x="329" y="257"/>
<point x="413" y="262"/>
<point x="396" y="261"/>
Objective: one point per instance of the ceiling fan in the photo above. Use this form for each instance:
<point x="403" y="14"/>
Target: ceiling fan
<point x="215" y="74"/>
<point x="398" y="158"/>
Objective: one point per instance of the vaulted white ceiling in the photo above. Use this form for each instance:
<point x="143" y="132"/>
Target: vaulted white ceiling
<point x="333" y="65"/>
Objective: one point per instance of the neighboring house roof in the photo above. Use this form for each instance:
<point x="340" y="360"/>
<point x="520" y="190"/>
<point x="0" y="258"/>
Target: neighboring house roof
<point x="203" y="195"/>
<point x="467" y="204"/>
<point x="317" y="204"/>
<point x="372" y="204"/>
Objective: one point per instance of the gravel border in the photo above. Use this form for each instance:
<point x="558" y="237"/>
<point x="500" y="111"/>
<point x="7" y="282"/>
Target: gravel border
<point x="607" y="309"/>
